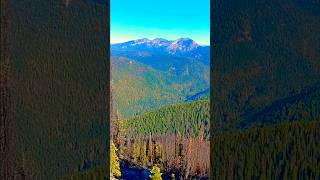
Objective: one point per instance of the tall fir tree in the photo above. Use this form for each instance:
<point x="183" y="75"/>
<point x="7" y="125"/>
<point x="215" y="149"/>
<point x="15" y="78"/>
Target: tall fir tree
<point x="114" y="161"/>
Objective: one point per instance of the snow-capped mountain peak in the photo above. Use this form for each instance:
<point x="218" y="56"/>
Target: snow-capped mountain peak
<point x="182" y="44"/>
<point x="160" y="42"/>
<point x="141" y="41"/>
<point x="182" y="47"/>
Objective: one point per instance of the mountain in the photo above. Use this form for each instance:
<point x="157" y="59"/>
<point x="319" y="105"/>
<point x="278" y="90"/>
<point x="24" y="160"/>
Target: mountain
<point x="157" y="72"/>
<point x="139" y="88"/>
<point x="180" y="48"/>
<point x="266" y="60"/>
<point x="301" y="106"/>
<point x="265" y="89"/>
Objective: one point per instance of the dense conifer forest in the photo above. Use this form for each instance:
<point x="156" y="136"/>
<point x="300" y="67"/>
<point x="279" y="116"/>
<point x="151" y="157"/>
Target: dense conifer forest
<point x="186" y="119"/>
<point x="284" y="151"/>
<point x="175" y="138"/>
<point x="56" y="94"/>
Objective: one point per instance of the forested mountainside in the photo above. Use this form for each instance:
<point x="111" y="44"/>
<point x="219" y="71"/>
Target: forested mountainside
<point x="185" y="119"/>
<point x="304" y="105"/>
<point x="267" y="62"/>
<point x="58" y="88"/>
<point x="140" y="88"/>
<point x="265" y="90"/>
<point x="174" y="138"/>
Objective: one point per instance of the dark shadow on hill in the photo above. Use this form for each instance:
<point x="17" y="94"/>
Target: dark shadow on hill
<point x="272" y="113"/>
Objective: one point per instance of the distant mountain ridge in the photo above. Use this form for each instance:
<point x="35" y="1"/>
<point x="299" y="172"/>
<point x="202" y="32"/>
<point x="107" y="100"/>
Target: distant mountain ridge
<point x="184" y="44"/>
<point x="182" y="47"/>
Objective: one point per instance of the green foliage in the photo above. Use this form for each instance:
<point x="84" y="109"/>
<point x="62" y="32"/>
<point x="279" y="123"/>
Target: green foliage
<point x="114" y="161"/>
<point x="155" y="173"/>
<point x="183" y="118"/>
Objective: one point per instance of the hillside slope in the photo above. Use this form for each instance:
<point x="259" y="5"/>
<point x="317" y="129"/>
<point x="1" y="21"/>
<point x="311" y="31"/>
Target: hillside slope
<point x="140" y="88"/>
<point x="265" y="51"/>
<point x="185" y="119"/>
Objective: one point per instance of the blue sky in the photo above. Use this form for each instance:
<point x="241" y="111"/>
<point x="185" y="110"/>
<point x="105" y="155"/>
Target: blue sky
<point x="169" y="19"/>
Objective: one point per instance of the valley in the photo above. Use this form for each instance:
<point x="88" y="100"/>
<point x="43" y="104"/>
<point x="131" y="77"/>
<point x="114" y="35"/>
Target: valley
<point x="147" y="75"/>
<point x="161" y="100"/>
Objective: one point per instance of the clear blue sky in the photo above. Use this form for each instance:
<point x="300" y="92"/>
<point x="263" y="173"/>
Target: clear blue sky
<point x="169" y="19"/>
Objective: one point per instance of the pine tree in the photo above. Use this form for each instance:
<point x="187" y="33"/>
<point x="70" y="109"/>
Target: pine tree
<point x="136" y="151"/>
<point x="150" y="150"/>
<point x="155" y="173"/>
<point x="158" y="152"/>
<point x="144" y="159"/>
<point x="114" y="161"/>
<point x="121" y="136"/>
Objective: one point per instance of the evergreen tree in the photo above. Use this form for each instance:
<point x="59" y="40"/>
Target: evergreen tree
<point x="114" y="161"/>
<point x="136" y="151"/>
<point x="150" y="152"/>
<point x="121" y="136"/>
<point x="158" y="152"/>
<point x="144" y="159"/>
<point x="155" y="173"/>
